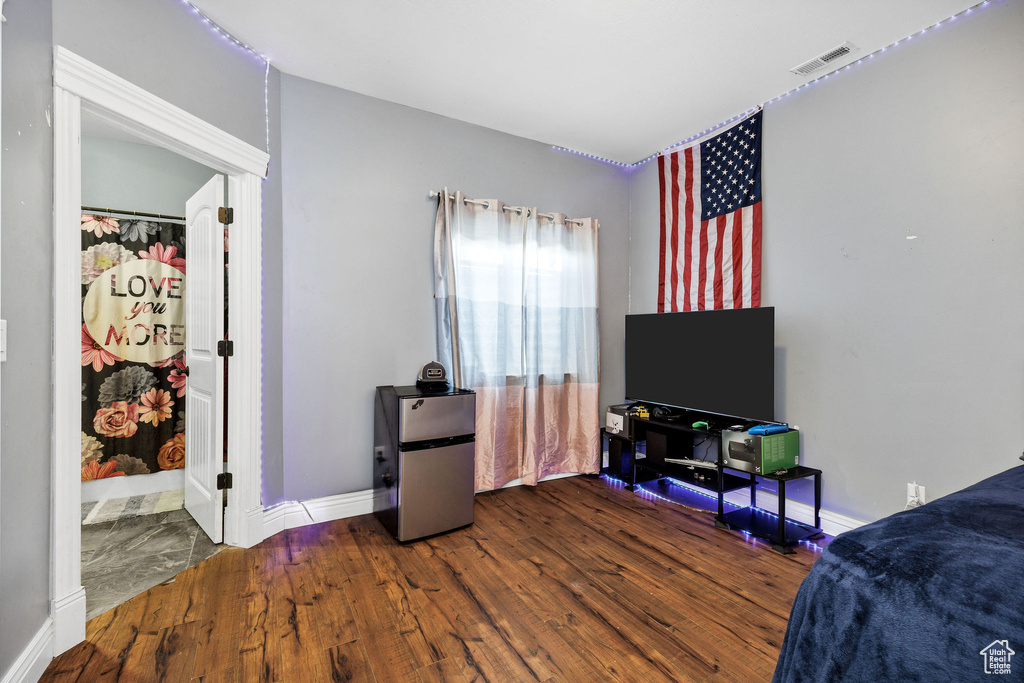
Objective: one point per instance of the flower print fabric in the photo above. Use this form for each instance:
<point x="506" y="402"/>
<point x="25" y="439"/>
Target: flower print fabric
<point x="121" y="419"/>
<point x="138" y="231"/>
<point x="92" y="449"/>
<point x="100" y="225"/>
<point x="95" y="355"/>
<point x="156" y="406"/>
<point x="133" y="414"/>
<point x="101" y="257"/>
<point x="172" y="453"/>
<point x="129" y="465"/>
<point x="158" y="252"/>
<point x="178" y="380"/>
<point x="175" y="361"/>
<point x="94" y="470"/>
<point x="126" y="385"/>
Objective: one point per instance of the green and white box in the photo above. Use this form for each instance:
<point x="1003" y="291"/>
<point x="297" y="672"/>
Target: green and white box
<point x="761" y="454"/>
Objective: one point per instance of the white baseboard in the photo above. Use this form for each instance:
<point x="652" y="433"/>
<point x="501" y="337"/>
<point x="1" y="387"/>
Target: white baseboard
<point x="295" y="514"/>
<point x="244" y="530"/>
<point x="33" y="660"/>
<point x="125" y="487"/>
<point x="340" y="507"/>
<point x="252" y="531"/>
<point x="832" y="523"/>
<point x="68" y="614"/>
<point x="301" y="513"/>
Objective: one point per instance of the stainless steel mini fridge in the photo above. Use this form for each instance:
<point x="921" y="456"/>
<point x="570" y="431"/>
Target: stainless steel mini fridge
<point x="423" y="459"/>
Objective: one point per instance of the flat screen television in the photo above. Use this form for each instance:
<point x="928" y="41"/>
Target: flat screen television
<point x="720" y="362"/>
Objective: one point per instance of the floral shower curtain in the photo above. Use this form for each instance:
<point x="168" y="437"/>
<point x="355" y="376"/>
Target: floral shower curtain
<point x="133" y="341"/>
<point x="516" y="299"/>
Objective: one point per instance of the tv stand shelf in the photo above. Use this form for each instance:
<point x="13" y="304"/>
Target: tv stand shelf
<point x="703" y="478"/>
<point x="671" y="439"/>
<point x="781" y="532"/>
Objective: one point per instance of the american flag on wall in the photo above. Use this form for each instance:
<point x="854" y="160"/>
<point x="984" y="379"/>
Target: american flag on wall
<point x="711" y="222"/>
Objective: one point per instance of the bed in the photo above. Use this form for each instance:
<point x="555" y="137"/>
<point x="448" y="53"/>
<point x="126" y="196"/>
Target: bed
<point x="935" y="593"/>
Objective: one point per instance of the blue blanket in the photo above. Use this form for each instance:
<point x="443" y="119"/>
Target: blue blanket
<point x="917" y="596"/>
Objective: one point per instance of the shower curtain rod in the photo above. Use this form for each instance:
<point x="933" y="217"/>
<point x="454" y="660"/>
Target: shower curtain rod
<point x="118" y="212"/>
<point x="517" y="209"/>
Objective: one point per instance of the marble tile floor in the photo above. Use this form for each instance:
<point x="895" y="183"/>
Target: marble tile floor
<point x="125" y="557"/>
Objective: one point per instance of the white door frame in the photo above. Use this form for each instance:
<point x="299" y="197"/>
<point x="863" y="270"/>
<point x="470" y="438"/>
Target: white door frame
<point x="80" y="85"/>
<point x="2" y="20"/>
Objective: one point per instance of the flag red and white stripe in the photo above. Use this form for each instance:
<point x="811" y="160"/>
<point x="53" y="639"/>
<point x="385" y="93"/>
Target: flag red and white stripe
<point x="709" y="259"/>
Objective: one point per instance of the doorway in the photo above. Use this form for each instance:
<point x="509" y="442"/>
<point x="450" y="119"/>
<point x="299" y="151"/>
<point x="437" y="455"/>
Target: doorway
<point x="136" y="530"/>
<point x="80" y="86"/>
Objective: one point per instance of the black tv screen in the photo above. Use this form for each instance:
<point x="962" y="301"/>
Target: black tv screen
<point x="720" y="362"/>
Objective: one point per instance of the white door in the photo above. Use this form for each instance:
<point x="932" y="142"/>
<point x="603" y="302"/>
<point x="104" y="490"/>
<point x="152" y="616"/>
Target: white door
<point x="204" y="317"/>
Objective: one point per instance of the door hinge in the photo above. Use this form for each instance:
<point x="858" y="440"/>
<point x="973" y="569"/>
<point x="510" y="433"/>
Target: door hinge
<point x="226" y="215"/>
<point x="225" y="347"/>
<point x="223" y="481"/>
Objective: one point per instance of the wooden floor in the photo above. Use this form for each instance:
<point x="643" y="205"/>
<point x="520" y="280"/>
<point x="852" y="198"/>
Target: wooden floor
<point x="573" y="580"/>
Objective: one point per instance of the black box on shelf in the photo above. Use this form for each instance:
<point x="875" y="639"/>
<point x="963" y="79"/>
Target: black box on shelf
<point x="616" y="420"/>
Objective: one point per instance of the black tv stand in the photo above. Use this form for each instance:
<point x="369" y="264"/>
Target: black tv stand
<point x="667" y="441"/>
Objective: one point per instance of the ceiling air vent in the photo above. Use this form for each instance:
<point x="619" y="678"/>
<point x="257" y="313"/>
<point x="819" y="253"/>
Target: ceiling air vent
<point x="823" y="60"/>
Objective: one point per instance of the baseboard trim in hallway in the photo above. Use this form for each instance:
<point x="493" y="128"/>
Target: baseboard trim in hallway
<point x="294" y="514"/>
<point x="34" y="659"/>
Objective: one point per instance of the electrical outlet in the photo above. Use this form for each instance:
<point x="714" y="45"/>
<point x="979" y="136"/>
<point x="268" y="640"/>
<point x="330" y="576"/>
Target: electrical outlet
<point x="915" y="495"/>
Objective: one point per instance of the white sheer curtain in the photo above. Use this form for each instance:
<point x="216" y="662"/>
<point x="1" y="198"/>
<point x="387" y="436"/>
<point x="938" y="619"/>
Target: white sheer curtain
<point x="561" y="413"/>
<point x="516" y="297"/>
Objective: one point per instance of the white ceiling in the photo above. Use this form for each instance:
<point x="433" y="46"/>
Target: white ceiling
<point x="615" y="78"/>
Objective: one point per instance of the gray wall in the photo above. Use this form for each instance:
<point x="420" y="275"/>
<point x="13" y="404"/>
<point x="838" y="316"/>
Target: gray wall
<point x="900" y="359"/>
<point x="161" y="46"/>
<point x="136" y="177"/>
<point x="273" y="288"/>
<point x="26" y="406"/>
<point x="358" y="307"/>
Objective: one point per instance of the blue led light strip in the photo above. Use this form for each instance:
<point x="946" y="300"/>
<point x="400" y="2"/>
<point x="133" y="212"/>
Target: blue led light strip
<point x="224" y="34"/>
<point x="618" y="483"/>
<point x="684" y="485"/>
<point x="830" y="74"/>
<point x="606" y="160"/>
<point x="674" y="482"/>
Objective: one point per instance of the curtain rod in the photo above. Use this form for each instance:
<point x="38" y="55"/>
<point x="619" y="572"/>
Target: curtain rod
<point x="517" y="209"/>
<point x="140" y="214"/>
